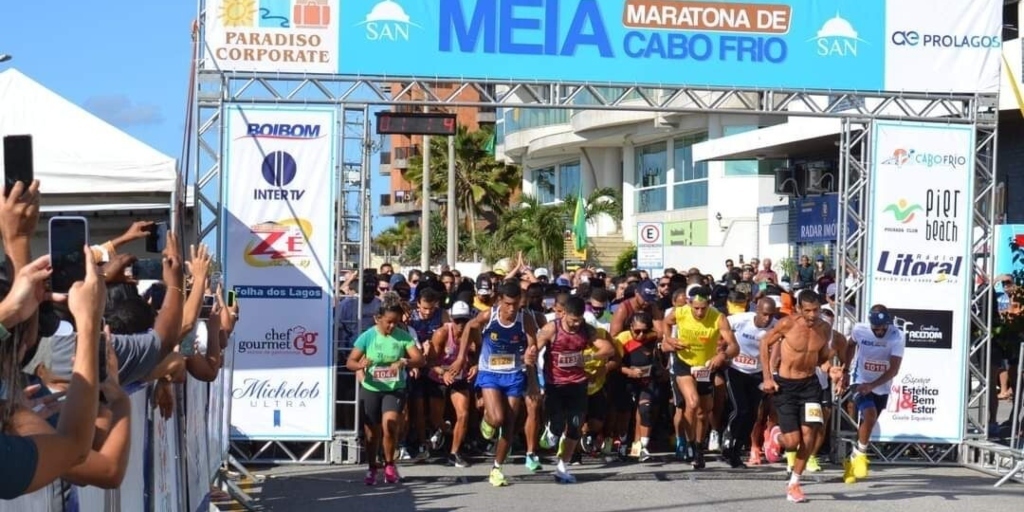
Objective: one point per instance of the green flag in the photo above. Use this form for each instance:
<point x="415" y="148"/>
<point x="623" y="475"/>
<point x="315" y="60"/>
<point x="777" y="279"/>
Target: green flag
<point x="491" y="143"/>
<point x="579" y="225"/>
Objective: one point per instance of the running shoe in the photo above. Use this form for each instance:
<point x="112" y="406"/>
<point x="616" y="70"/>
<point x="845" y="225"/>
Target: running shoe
<point x="533" y="462"/>
<point x="487" y="431"/>
<point x="371" y="477"/>
<point x="497" y="478"/>
<point x="714" y="441"/>
<point x="771" y="445"/>
<point x="813" y="465"/>
<point x="859" y="462"/>
<point x="698" y="456"/>
<point x="644" y="455"/>
<point x="455" y="459"/>
<point x="391" y="474"/>
<point x="577" y="458"/>
<point x="564" y="477"/>
<point x="681" y="452"/>
<point x="848" y="472"/>
<point x="732" y="456"/>
<point x="437" y="440"/>
<point x="587" y="443"/>
<point x="403" y="454"/>
<point x="423" y="454"/>
<point x="795" y="494"/>
<point x="548" y="440"/>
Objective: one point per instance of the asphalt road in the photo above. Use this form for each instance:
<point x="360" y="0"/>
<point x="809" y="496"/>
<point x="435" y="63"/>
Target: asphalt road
<point x="632" y="487"/>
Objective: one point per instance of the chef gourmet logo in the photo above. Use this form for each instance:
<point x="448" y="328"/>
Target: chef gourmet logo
<point x="925" y="328"/>
<point x="296" y="340"/>
<point x="914" y="399"/>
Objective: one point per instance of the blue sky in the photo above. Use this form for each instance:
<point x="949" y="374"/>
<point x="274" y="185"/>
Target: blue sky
<point x="125" y="61"/>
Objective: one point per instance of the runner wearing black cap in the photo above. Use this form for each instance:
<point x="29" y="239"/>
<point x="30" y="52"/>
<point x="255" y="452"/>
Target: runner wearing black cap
<point x="876" y="349"/>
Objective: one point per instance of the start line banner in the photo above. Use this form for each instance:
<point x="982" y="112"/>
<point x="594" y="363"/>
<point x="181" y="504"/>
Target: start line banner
<point x="919" y="239"/>
<point x="834" y="45"/>
<point x="277" y="226"/>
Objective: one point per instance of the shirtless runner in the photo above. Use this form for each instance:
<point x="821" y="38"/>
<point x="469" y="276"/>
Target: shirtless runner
<point x="804" y="340"/>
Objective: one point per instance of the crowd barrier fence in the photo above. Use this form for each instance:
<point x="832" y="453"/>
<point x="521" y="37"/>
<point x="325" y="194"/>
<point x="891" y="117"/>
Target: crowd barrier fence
<point x="170" y="468"/>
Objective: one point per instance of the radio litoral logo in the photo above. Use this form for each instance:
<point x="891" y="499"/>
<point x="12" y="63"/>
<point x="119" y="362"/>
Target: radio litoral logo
<point x="927" y="268"/>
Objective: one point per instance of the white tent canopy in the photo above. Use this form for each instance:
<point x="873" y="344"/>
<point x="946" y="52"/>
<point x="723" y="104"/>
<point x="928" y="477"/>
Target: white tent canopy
<point x="83" y="163"/>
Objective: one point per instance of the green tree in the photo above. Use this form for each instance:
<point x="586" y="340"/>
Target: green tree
<point x="538" y="230"/>
<point x="394" y="240"/>
<point x="602" y="201"/>
<point x="483" y="185"/>
<point x="438" y="242"/>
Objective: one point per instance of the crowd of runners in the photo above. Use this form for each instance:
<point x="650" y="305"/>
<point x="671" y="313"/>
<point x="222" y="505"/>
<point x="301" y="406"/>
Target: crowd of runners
<point x="616" y="367"/>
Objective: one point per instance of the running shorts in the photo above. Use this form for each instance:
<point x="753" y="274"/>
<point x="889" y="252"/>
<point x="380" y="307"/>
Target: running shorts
<point x="682" y="369"/>
<point x="871" y="400"/>
<point x="511" y="385"/>
<point x="376" y="403"/>
<point x="796" y="402"/>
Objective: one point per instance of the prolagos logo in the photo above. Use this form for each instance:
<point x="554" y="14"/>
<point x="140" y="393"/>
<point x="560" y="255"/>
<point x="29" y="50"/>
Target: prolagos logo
<point x="283" y="243"/>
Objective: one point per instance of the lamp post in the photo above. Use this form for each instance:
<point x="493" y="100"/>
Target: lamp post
<point x="453" y="237"/>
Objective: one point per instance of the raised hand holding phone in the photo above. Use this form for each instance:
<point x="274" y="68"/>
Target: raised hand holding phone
<point x="18" y="161"/>
<point x="27" y="292"/>
<point x="87" y="298"/>
<point x="67" y="237"/>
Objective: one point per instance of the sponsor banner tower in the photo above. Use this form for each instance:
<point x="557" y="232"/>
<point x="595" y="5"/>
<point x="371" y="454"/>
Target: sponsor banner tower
<point x="278" y="229"/>
<point x="920" y="251"/>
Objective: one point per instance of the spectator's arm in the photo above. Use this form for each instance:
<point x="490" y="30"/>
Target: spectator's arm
<point x="205" y="367"/>
<point x="106" y="464"/>
<point x="172" y="368"/>
<point x="168" y="321"/>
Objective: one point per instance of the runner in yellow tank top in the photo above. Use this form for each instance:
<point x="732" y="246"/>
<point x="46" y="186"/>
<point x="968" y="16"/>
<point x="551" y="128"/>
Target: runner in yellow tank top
<point x="700" y="332"/>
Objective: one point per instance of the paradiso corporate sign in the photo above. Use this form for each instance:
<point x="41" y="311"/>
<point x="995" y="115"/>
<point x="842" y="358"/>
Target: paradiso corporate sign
<point x="854" y="45"/>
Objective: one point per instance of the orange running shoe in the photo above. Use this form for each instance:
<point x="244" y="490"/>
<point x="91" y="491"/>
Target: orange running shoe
<point x="772" y="450"/>
<point x="795" y="494"/>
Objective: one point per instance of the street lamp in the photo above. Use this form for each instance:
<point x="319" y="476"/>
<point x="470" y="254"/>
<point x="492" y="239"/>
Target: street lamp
<point x="4" y="57"/>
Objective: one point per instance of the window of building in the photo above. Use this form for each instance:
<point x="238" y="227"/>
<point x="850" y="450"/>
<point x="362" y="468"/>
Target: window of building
<point x="568" y="180"/>
<point x="553" y="184"/>
<point x="651" y="177"/>
<point x="544" y="184"/>
<point x="690" y="188"/>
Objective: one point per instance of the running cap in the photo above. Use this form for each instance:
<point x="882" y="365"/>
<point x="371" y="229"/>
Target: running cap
<point x="647" y="290"/>
<point x="831" y="290"/>
<point x="541" y="272"/>
<point x="461" y="311"/>
<point x="483" y="286"/>
<point x="879" y="318"/>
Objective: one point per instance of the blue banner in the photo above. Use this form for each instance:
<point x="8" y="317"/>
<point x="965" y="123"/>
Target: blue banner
<point x="783" y="44"/>
<point x="817" y="219"/>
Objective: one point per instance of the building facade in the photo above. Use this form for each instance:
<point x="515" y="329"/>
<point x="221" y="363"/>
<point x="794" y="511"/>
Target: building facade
<point x="398" y="151"/>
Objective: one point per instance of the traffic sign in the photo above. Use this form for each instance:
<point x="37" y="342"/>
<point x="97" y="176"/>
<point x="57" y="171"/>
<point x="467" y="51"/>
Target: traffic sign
<point x="650" y="245"/>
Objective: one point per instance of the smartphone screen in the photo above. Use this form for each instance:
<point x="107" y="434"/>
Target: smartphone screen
<point x="148" y="269"/>
<point x="208" y="302"/>
<point x="103" y="358"/>
<point x="17" y="160"/>
<point x="68" y="237"/>
<point x="156" y="241"/>
<point x="231" y="299"/>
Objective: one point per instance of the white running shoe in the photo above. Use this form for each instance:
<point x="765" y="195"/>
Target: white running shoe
<point x="715" y="442"/>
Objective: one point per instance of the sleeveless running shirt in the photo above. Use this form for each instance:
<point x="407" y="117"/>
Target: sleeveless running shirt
<point x="502" y="346"/>
<point x="700" y="336"/>
<point x="748" y="336"/>
<point x="564" y="363"/>
<point x="425" y="327"/>
<point x="449" y="355"/>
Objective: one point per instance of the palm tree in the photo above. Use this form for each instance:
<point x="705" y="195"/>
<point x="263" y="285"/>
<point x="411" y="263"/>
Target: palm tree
<point x="395" y="239"/>
<point x="483" y="185"/>
<point x="538" y="230"/>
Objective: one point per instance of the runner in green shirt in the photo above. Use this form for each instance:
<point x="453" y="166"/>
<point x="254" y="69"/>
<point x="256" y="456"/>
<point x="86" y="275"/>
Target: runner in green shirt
<point x="383" y="353"/>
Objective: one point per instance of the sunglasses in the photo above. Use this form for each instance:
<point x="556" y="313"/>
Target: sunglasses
<point x="383" y="289"/>
<point x="414" y="282"/>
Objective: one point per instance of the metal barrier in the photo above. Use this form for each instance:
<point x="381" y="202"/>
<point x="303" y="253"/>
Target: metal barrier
<point x="170" y="469"/>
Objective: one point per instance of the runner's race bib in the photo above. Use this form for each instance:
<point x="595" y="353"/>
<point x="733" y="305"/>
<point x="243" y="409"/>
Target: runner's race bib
<point x="384" y="375"/>
<point x="569" y="360"/>
<point x="743" y="361"/>
<point x="701" y="374"/>
<point x="876" y="366"/>
<point x="501" y="362"/>
<point x="645" y="371"/>
<point x="812" y="413"/>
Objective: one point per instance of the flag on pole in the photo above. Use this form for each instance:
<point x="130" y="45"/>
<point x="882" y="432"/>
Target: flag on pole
<point x="579" y="225"/>
<point x="493" y="141"/>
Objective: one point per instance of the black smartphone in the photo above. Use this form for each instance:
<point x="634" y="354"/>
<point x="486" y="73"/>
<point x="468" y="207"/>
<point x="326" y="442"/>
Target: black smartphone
<point x="68" y="238"/>
<point x="231" y="299"/>
<point x="148" y="269"/>
<point x="17" y="161"/>
<point x="207" y="309"/>
<point x="156" y="240"/>
<point x="103" y="357"/>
